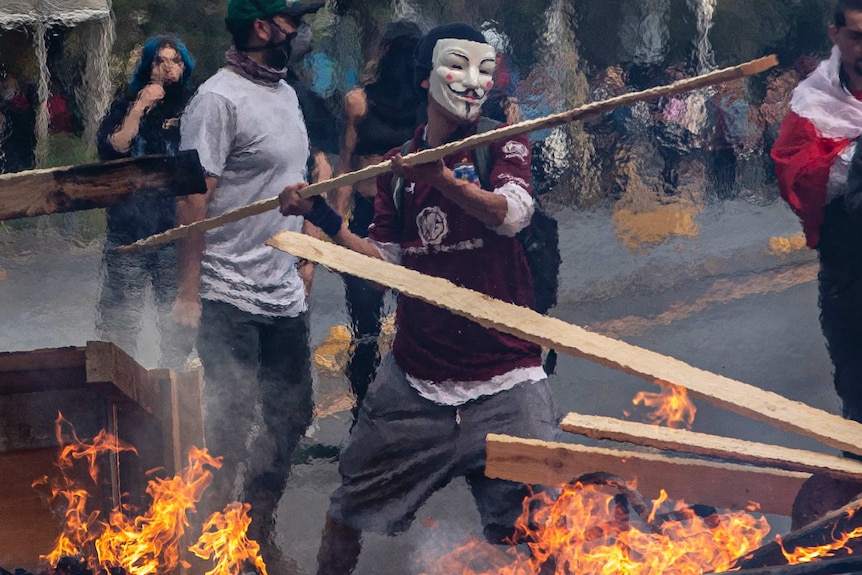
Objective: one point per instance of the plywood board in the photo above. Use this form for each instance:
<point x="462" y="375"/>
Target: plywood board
<point x="703" y="444"/>
<point x="525" y="323"/>
<point x="721" y="485"/>
<point x="27" y="527"/>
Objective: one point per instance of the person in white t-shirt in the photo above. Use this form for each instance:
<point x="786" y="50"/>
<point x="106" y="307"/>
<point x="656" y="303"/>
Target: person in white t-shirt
<point x="248" y="300"/>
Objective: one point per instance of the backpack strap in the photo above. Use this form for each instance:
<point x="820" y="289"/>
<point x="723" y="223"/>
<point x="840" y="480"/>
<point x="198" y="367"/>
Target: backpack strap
<point x="481" y="159"/>
<point x="482" y="154"/>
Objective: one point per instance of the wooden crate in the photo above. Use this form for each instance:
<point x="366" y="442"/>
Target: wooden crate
<point x="96" y="387"/>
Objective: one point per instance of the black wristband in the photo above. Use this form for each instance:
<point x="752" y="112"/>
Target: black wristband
<point x="324" y="217"/>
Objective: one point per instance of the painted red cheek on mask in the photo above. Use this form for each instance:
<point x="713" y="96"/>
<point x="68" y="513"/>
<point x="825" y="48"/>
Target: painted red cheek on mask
<point x="449" y="77"/>
<point x="489" y="85"/>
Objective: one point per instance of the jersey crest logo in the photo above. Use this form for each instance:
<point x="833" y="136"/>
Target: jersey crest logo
<point x="433" y="226"/>
<point x="513" y="149"/>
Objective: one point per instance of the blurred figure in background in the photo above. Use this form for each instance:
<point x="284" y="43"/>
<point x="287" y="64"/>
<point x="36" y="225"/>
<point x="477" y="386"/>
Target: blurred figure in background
<point x="819" y="170"/>
<point x="380" y="115"/>
<point x="18" y="131"/>
<point x="144" y="119"/>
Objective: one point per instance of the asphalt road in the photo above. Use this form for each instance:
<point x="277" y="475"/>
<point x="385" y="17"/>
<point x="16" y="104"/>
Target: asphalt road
<point x="720" y="299"/>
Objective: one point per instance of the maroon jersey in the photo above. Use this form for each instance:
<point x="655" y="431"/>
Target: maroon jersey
<point x="440" y="239"/>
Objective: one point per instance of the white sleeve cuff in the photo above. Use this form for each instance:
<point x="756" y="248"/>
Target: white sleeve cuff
<point x="390" y="252"/>
<point x="519" y="211"/>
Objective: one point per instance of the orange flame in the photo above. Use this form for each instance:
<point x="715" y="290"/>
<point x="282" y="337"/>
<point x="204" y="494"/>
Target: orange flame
<point x="671" y="406"/>
<point x="150" y="543"/>
<point x="225" y="540"/>
<point x="80" y="525"/>
<point x="586" y="530"/>
<point x="808" y="554"/>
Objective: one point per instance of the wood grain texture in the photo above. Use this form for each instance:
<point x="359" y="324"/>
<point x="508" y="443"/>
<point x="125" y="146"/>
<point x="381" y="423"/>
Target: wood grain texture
<point x="433" y="154"/>
<point x="98" y="185"/>
<point x="41" y="370"/>
<point x="703" y="444"/>
<point x="28" y="527"/>
<point x="525" y="323"/>
<point x="120" y="378"/>
<point x="721" y="485"/>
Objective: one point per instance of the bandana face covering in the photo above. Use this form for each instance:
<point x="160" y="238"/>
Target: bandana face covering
<point x="461" y="76"/>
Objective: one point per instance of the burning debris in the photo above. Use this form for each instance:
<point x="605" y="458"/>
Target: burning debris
<point x="670" y="407"/>
<point x="130" y="541"/>
<point x="588" y="529"/>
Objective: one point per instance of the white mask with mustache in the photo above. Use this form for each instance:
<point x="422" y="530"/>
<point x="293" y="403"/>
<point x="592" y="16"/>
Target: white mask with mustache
<point x="462" y="74"/>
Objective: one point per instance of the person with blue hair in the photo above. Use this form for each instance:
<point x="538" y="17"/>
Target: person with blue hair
<point x="144" y="119"/>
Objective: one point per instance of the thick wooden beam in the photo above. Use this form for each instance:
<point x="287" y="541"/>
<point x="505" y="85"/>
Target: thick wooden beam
<point x="97" y="185"/>
<point x="715" y="446"/>
<point x="821" y="532"/>
<point x="166" y="379"/>
<point x="120" y="378"/>
<point x="41" y="370"/>
<point x="721" y="485"/>
<point x="850" y="564"/>
<point x="721" y="391"/>
<point x="191" y="423"/>
<point x="182" y="419"/>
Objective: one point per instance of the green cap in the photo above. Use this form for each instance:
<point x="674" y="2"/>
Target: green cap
<point x="263" y="9"/>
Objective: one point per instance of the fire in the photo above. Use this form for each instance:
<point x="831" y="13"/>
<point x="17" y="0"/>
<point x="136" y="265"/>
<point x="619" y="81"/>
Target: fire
<point x="671" y="406"/>
<point x="224" y="538"/>
<point x="66" y="492"/>
<point x="586" y="530"/>
<point x="149" y="543"/>
<point x="808" y="554"/>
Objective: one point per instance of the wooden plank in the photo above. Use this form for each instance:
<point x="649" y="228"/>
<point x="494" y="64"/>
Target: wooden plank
<point x="707" y="445"/>
<point x="191" y="421"/>
<point x="593" y="109"/>
<point x="41" y="370"/>
<point x="821" y="532"/>
<point x="28" y="528"/>
<point x="721" y="485"/>
<point x="181" y="414"/>
<point x="166" y="379"/>
<point x="850" y="564"/>
<point x="120" y="378"/>
<point x="97" y="185"/>
<point x="721" y="391"/>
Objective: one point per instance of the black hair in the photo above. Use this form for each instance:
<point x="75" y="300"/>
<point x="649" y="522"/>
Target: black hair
<point x="425" y="49"/>
<point x="240" y="31"/>
<point x="841" y="8"/>
<point x="143" y="71"/>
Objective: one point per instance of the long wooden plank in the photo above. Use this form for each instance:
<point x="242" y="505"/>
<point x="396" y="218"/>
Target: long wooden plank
<point x="682" y="441"/>
<point x="736" y="396"/>
<point x="433" y="154"/>
<point x="722" y="485"/>
<point x="41" y="370"/>
<point x="97" y="185"/>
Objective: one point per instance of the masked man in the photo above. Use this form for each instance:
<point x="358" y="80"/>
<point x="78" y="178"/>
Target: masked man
<point x="448" y="381"/>
<point x="815" y="150"/>
<point x="250" y="302"/>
